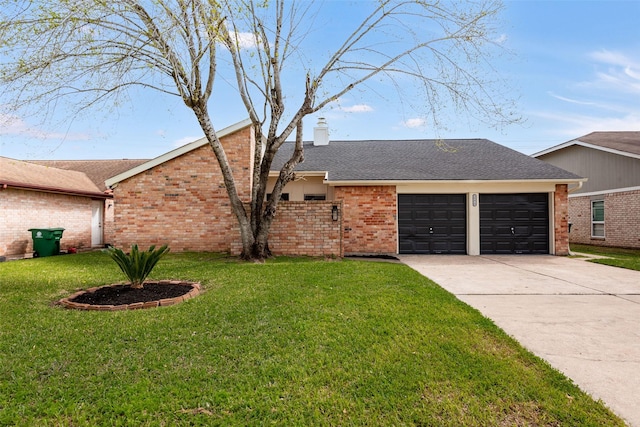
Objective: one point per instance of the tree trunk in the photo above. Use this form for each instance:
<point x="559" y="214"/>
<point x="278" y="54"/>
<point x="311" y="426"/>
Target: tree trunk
<point x="246" y="232"/>
<point x="263" y="221"/>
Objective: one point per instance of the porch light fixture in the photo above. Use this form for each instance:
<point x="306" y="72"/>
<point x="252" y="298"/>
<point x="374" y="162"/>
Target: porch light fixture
<point x="334" y="213"/>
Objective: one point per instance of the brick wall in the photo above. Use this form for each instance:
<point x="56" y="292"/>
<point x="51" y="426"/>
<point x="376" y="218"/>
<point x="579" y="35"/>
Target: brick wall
<point x="561" y="220"/>
<point x="304" y="228"/>
<point x="183" y="203"/>
<point x="369" y="219"/>
<point x="108" y="222"/>
<point x="21" y="210"/>
<point x="580" y="219"/>
<point x="622" y="219"/>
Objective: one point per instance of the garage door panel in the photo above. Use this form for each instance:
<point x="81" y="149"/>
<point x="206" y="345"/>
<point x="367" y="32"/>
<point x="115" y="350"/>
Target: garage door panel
<point x="458" y="215"/>
<point x="432" y="223"/>
<point x="440" y="214"/>
<point x="514" y="223"/>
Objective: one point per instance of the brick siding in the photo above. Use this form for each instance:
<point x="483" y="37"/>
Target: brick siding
<point x="183" y="203"/>
<point x="303" y="228"/>
<point x="21" y="210"/>
<point x="621" y="220"/>
<point x="561" y="220"/>
<point x="369" y="219"/>
<point x="108" y="223"/>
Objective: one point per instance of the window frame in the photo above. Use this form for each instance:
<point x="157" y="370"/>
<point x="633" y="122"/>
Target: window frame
<point x="595" y="222"/>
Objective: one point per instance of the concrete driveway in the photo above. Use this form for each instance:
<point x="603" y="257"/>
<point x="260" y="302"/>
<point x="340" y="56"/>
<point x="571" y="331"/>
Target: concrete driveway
<point x="582" y="318"/>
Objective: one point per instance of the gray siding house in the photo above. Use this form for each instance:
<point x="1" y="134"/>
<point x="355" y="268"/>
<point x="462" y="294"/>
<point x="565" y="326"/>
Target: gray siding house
<point x="605" y="211"/>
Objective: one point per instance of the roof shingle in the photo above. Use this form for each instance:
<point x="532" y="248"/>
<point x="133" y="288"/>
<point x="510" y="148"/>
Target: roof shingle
<point x="421" y="160"/>
<point x="97" y="170"/>
<point x="621" y="141"/>
<point x="28" y="175"/>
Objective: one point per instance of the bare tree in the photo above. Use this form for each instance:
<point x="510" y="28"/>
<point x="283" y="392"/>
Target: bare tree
<point x="91" y="51"/>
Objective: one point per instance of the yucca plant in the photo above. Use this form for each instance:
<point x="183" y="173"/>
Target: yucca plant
<point x="137" y="264"/>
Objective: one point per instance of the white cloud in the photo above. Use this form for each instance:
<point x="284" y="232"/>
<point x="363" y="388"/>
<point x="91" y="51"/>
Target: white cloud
<point x="246" y="40"/>
<point x="501" y="39"/>
<point x="574" y="124"/>
<point x="414" y="123"/>
<point x="186" y="140"/>
<point x="358" y="108"/>
<point x="613" y="58"/>
<point x="622" y="73"/>
<point x="571" y="101"/>
<point x="15" y="126"/>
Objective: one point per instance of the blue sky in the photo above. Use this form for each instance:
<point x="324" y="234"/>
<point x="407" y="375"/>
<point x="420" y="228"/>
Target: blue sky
<point x="576" y="70"/>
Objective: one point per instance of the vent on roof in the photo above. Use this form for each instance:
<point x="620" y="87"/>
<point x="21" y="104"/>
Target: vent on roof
<point x="321" y="133"/>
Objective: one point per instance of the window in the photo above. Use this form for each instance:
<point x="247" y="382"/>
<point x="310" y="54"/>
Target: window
<point x="597" y="218"/>
<point x="308" y="197"/>
<point x="284" y="197"/>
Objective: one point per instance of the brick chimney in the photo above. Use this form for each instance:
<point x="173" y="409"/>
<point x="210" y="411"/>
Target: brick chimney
<point x="321" y="133"/>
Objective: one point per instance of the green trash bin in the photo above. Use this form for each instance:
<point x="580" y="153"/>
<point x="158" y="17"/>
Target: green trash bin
<point x="46" y="241"/>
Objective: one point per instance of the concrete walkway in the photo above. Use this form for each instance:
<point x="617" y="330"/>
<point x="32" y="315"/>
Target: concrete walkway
<point x="582" y="318"/>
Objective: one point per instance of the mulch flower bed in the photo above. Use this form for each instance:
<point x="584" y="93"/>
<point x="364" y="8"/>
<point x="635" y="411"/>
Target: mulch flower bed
<point x="124" y="297"/>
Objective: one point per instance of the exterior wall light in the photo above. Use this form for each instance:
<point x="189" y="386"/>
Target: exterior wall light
<point x="334" y="213"/>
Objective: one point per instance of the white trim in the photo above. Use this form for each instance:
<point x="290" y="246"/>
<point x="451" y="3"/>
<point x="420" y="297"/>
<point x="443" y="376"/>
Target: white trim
<point x="275" y="174"/>
<point x="599" y="193"/>
<point x="173" y="154"/>
<point x="586" y="145"/>
<point x="554" y="148"/>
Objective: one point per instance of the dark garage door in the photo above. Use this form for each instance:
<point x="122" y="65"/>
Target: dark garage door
<point x="514" y="223"/>
<point x="432" y="223"/>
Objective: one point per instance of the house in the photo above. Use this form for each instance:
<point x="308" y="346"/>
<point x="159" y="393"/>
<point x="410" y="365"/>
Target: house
<point x="353" y="197"/>
<point x="36" y="196"/>
<point x="605" y="211"/>
<point x="97" y="171"/>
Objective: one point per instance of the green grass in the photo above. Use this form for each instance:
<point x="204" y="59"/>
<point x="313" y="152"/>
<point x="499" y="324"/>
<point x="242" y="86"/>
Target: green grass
<point x="617" y="257"/>
<point x="289" y="342"/>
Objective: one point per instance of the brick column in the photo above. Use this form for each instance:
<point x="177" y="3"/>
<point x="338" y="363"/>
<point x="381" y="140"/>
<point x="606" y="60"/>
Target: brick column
<point x="561" y="220"/>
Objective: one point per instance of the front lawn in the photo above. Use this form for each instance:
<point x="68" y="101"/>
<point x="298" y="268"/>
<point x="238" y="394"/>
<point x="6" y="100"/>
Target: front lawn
<point x="617" y="257"/>
<point x="290" y="342"/>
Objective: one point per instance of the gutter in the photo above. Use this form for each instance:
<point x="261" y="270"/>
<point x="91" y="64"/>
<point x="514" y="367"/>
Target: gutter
<point x="93" y="194"/>
<point x="578" y="181"/>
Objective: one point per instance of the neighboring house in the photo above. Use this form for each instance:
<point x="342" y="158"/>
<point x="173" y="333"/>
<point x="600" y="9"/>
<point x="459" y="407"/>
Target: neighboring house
<point x="605" y="211"/>
<point x="36" y="196"/>
<point x="97" y="171"/>
<point x="353" y="197"/>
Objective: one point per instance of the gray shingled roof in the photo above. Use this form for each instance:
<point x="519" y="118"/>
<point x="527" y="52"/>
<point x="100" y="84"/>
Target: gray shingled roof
<point x="622" y="141"/>
<point x="421" y="160"/>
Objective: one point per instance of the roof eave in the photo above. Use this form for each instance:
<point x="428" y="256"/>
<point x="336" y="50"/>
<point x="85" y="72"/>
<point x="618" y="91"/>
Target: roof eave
<point x="54" y="190"/>
<point x="173" y="154"/>
<point x="457" y="181"/>
<point x="586" y="145"/>
<point x="276" y="173"/>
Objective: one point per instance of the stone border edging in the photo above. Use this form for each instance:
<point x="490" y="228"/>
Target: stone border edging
<point x="196" y="289"/>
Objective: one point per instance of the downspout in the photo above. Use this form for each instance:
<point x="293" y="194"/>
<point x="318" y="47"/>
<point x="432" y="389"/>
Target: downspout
<point x="580" y="184"/>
